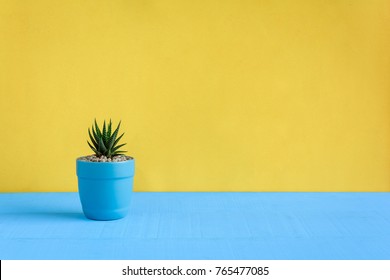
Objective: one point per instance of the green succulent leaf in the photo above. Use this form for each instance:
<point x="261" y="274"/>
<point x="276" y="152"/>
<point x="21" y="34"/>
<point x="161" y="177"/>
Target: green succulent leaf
<point x="111" y="142"/>
<point x="104" y="133"/>
<point x="102" y="142"/>
<point x="117" y="140"/>
<point x="109" y="129"/>
<point x="95" y="136"/>
<point x="102" y="147"/>
<point x="119" y="153"/>
<point x="95" y="150"/>
<point x="95" y="144"/>
<point x="98" y="133"/>
<point x="92" y="147"/>
<point x="117" y="147"/>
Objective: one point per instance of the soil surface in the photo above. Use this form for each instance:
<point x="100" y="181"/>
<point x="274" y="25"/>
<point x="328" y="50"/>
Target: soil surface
<point x="94" y="158"/>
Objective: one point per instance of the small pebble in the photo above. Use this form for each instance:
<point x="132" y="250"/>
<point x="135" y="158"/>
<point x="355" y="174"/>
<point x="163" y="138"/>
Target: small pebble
<point x="94" y="158"/>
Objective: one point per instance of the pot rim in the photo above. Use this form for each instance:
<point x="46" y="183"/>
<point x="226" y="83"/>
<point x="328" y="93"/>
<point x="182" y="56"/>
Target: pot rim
<point x="79" y="159"/>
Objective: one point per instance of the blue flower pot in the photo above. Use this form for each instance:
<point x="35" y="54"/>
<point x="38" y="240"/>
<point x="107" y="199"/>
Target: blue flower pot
<point x="105" y="188"/>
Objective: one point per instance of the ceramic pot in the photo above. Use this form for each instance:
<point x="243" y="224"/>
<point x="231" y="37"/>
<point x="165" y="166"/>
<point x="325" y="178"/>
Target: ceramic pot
<point x="105" y="188"/>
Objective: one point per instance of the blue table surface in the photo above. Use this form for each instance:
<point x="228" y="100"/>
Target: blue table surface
<point x="218" y="226"/>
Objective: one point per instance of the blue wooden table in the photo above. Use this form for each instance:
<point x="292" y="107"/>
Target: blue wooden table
<point x="274" y="226"/>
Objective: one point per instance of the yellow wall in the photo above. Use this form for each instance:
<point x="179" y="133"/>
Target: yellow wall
<point x="214" y="95"/>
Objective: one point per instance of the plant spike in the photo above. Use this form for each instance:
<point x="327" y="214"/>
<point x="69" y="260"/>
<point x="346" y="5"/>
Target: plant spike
<point x="109" y="129"/>
<point x="104" y="132"/>
<point x="98" y="133"/>
<point x="93" y="148"/>
<point x="117" y="147"/>
<point x="95" y="144"/>
<point x="119" y="138"/>
<point x="111" y="142"/>
<point x="95" y="136"/>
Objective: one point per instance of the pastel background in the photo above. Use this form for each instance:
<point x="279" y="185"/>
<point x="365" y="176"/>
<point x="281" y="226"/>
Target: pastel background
<point x="213" y="95"/>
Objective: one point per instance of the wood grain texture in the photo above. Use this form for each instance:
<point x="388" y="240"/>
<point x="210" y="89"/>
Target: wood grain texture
<point x="200" y="226"/>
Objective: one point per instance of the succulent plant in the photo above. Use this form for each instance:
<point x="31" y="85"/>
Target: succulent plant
<point x="103" y="142"/>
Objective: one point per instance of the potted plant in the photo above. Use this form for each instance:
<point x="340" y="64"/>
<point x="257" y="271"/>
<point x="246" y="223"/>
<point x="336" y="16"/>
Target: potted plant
<point x="105" y="179"/>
